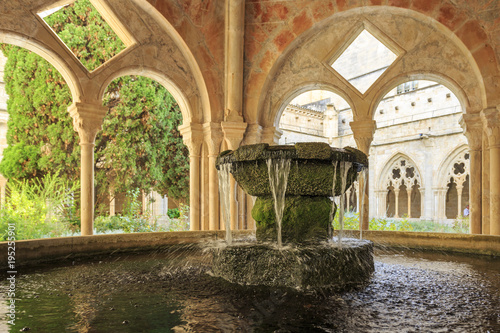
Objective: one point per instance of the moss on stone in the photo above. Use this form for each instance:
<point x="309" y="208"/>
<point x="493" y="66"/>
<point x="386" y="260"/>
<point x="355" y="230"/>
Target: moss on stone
<point x="304" y="219"/>
<point x="313" y="150"/>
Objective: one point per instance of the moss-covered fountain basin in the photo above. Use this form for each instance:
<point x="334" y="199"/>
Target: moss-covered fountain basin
<point x="311" y="172"/>
<point x="314" y="166"/>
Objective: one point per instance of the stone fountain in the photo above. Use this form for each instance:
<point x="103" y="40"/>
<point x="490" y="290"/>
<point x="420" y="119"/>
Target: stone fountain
<point x="294" y="186"/>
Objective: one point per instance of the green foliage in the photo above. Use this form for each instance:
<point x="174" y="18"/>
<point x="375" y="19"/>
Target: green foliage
<point x="139" y="146"/>
<point x="41" y="208"/>
<point x="173" y="213"/>
<point x="461" y="225"/>
<point x="351" y="222"/>
<point x="83" y="30"/>
<point x="40" y="134"/>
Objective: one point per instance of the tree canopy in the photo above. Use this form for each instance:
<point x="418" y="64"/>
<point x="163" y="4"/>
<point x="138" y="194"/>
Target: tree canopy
<point x="139" y="145"/>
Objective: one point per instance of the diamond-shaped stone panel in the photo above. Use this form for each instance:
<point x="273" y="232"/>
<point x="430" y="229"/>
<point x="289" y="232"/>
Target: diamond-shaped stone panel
<point x="364" y="61"/>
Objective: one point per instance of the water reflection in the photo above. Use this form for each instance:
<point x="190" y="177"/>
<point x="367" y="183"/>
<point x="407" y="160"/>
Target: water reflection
<point x="173" y="291"/>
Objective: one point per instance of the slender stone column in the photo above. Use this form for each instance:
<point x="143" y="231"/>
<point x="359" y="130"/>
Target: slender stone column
<point x="233" y="134"/>
<point x="213" y="138"/>
<point x="491" y="122"/>
<point x="363" y="135"/>
<point x="459" y="199"/>
<point x="87" y="121"/>
<point x="348" y="198"/>
<point x="422" y="201"/>
<point x="473" y="130"/>
<point x="442" y="204"/>
<point x="112" y="202"/>
<point x="408" y="194"/>
<point x="396" y="203"/>
<point x="192" y="136"/>
<point x="485" y="187"/>
<point x="271" y="135"/>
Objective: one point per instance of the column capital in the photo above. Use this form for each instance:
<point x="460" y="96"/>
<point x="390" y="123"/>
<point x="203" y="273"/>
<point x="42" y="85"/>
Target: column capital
<point x="233" y="133"/>
<point x="192" y="135"/>
<point x="491" y="124"/>
<point x="473" y="130"/>
<point x="271" y="135"/>
<point x="87" y="120"/>
<point x="212" y="133"/>
<point x="253" y="134"/>
<point x="362" y="131"/>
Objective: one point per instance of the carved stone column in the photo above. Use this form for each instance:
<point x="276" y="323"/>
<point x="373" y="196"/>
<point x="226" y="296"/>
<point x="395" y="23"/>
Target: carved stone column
<point x="213" y="138"/>
<point x="491" y="122"/>
<point x="473" y="130"/>
<point x="408" y="194"/>
<point x="363" y="135"/>
<point x="396" y="203"/>
<point x="87" y="121"/>
<point x="233" y="134"/>
<point x="192" y="135"/>
<point x="422" y="201"/>
<point x="485" y="186"/>
<point x="271" y="135"/>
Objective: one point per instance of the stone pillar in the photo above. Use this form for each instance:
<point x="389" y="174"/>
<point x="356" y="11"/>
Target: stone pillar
<point x="271" y="135"/>
<point x="408" y="194"/>
<point x="348" y="198"/>
<point x="112" y="202"/>
<point x="396" y="203"/>
<point x="362" y="131"/>
<point x="233" y="134"/>
<point x="473" y="130"/>
<point x="331" y="123"/>
<point x="192" y="136"/>
<point x="422" y="201"/>
<point x="459" y="199"/>
<point x="485" y="187"/>
<point x="87" y="121"/>
<point x="491" y="122"/>
<point x="442" y="204"/>
<point x="213" y="138"/>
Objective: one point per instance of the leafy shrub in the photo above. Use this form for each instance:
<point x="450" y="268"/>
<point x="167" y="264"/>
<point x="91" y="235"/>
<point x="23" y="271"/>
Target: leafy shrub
<point x="40" y="208"/>
<point x="173" y="213"/>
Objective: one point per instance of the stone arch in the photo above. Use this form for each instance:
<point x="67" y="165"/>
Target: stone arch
<point x="297" y="90"/>
<point x="179" y="96"/>
<point x="403" y="78"/>
<point x="204" y="98"/>
<point x="401" y="182"/>
<point x="421" y="40"/>
<point x="48" y="54"/>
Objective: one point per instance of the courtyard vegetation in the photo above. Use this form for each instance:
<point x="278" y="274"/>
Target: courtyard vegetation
<point x="138" y="150"/>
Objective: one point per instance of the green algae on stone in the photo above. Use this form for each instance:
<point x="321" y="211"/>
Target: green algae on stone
<point x="304" y="219"/>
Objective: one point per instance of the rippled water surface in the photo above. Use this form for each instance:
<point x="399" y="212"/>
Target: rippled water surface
<point x="174" y="292"/>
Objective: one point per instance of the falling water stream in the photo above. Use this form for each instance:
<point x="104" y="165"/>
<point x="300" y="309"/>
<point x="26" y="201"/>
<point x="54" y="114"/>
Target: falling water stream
<point x="344" y="169"/>
<point x="278" y="170"/>
<point x="225" y="194"/>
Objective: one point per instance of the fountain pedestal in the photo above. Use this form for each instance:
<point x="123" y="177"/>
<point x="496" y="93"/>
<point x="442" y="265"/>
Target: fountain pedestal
<point x="316" y="173"/>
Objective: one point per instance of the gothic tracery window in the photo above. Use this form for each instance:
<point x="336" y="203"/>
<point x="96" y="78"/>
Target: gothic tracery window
<point x="403" y="195"/>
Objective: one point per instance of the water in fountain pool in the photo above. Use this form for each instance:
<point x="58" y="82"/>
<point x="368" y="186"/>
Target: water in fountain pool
<point x="171" y="290"/>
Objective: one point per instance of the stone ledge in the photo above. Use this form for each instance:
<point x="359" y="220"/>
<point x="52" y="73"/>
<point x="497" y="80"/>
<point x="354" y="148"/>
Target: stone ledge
<point x="460" y="243"/>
